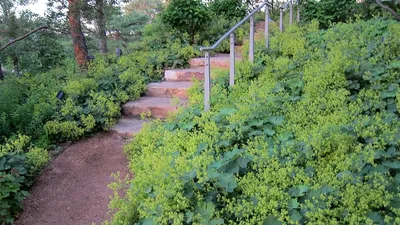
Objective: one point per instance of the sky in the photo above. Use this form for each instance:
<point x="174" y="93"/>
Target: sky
<point x="39" y="7"/>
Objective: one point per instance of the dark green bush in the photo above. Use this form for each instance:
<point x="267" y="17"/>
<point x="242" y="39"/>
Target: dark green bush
<point x="327" y="12"/>
<point x="19" y="163"/>
<point x="229" y="9"/>
<point x="161" y="47"/>
<point x="187" y="16"/>
<point x="311" y="138"/>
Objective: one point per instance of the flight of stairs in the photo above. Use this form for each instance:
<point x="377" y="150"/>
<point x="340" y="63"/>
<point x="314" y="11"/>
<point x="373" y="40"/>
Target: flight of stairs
<point x="159" y="102"/>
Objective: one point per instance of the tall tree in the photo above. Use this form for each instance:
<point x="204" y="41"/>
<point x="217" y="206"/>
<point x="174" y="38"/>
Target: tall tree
<point x="148" y="7"/>
<point x="101" y="26"/>
<point x="78" y="39"/>
<point x="12" y="26"/>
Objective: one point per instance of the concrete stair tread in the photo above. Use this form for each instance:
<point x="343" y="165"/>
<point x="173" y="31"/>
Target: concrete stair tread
<point x="219" y="60"/>
<point x="128" y="126"/>
<point x="192" y="69"/>
<point x="159" y="107"/>
<point x="151" y="101"/>
<point x="184" y="74"/>
<point x="169" y="89"/>
<point x="169" y="84"/>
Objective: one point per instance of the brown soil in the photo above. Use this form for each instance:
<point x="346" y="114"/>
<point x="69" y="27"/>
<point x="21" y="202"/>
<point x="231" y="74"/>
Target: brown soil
<point x="73" y="190"/>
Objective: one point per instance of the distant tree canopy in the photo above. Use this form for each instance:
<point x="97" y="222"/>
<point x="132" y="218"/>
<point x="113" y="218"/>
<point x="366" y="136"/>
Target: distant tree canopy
<point x="149" y="7"/>
<point x="333" y="11"/>
<point x="37" y="51"/>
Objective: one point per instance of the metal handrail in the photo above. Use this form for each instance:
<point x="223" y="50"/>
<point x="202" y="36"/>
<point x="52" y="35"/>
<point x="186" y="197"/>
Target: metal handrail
<point x="285" y="6"/>
<point x="230" y="33"/>
<point x="214" y="46"/>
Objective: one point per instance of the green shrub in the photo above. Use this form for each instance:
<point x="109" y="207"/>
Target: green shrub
<point x="218" y="27"/>
<point x="229" y="9"/>
<point x="328" y="12"/>
<point x="310" y="138"/>
<point x="19" y="163"/>
<point x="187" y="16"/>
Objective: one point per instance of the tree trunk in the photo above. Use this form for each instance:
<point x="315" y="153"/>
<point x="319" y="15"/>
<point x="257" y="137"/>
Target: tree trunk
<point x="101" y="26"/>
<point x="16" y="66"/>
<point x="1" y="73"/>
<point x="387" y="8"/>
<point x="78" y="39"/>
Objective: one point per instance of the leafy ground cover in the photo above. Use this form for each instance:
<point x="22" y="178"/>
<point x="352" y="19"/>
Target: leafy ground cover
<point x="309" y="134"/>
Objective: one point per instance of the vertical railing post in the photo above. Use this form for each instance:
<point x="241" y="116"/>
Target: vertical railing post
<point x="207" y="82"/>
<point x="281" y="20"/>
<point x="251" y="46"/>
<point x="298" y="11"/>
<point x="266" y="25"/>
<point x="232" y="61"/>
<point x="291" y="12"/>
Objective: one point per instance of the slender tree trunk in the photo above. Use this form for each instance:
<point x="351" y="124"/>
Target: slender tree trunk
<point x="387" y="8"/>
<point x="101" y="26"/>
<point x="78" y="39"/>
<point x="1" y="73"/>
<point x="16" y="66"/>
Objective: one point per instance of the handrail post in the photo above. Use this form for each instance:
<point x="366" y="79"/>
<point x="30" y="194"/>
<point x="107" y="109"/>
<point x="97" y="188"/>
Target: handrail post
<point x="298" y="12"/>
<point x="266" y="25"/>
<point x="232" y="60"/>
<point x="251" y="46"/>
<point x="207" y="82"/>
<point x="281" y="20"/>
<point x="291" y="12"/>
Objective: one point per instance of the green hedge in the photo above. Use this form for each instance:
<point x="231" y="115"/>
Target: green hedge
<point x="308" y="135"/>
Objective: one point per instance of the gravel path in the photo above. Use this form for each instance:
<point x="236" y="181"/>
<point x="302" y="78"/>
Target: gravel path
<point x="73" y="190"/>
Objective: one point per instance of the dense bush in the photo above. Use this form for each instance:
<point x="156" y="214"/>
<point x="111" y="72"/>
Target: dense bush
<point x="19" y="163"/>
<point x="308" y="135"/>
<point x="187" y="16"/>
<point x="229" y="9"/>
<point x="91" y="102"/>
<point x="328" y="11"/>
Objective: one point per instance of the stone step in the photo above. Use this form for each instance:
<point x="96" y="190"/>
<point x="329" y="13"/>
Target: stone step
<point x="184" y="74"/>
<point x="238" y="49"/>
<point x="219" y="60"/>
<point x="169" y="89"/>
<point x="159" y="107"/>
<point x="260" y="26"/>
<point x="127" y="126"/>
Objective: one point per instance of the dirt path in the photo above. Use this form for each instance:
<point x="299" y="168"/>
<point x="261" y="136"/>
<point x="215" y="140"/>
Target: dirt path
<point x="73" y="189"/>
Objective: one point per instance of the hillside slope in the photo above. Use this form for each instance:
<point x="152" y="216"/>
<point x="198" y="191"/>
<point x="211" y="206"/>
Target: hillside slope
<point x="309" y="134"/>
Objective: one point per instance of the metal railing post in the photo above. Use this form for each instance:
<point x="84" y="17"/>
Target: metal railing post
<point x="230" y="33"/>
<point x="291" y="12"/>
<point x="232" y="60"/>
<point x="251" y="46"/>
<point x="207" y="82"/>
<point x="298" y="12"/>
<point x="266" y="25"/>
<point x="281" y="20"/>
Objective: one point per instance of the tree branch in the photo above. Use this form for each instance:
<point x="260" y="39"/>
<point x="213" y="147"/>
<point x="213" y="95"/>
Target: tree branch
<point x="397" y="16"/>
<point x="23" y="37"/>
